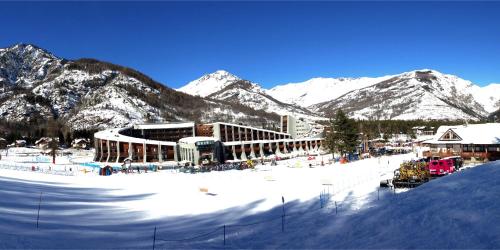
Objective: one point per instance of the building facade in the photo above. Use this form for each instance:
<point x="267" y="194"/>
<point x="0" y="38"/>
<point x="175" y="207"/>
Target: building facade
<point x="479" y="142"/>
<point x="195" y="142"/>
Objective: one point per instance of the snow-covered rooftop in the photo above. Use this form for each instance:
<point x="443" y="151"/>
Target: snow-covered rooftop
<point x="114" y="135"/>
<point x="164" y="125"/>
<point x="486" y="133"/>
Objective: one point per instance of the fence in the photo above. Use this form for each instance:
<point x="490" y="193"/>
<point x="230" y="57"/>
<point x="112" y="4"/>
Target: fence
<point x="41" y="168"/>
<point x="327" y="203"/>
<point x="227" y="232"/>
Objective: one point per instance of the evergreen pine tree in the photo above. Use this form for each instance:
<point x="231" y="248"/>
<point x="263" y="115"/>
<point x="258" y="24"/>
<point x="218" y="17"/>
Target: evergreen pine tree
<point x="344" y="137"/>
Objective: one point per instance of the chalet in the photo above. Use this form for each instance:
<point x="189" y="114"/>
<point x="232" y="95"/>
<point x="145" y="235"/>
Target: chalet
<point x="423" y="131"/>
<point x="20" y="143"/>
<point x="80" y="143"/>
<point x="44" y="142"/>
<point x="479" y="142"/>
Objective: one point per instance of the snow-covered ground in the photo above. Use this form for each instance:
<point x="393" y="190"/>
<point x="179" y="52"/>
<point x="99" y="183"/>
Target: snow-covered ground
<point x="122" y="210"/>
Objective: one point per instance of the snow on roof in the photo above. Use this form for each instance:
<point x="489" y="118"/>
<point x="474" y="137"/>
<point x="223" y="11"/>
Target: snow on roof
<point x="419" y="127"/>
<point x="486" y="133"/>
<point x="164" y="125"/>
<point x="194" y="139"/>
<point x="114" y="135"/>
<point x="76" y="141"/>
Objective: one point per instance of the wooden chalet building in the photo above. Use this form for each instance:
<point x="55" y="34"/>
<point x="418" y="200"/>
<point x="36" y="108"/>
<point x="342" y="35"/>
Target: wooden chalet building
<point x="476" y="142"/>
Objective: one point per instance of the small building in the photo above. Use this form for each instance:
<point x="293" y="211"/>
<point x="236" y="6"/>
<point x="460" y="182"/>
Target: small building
<point x="423" y="131"/>
<point x="80" y="143"/>
<point x="197" y="149"/>
<point x="477" y="142"/>
<point x="44" y="142"/>
<point x="3" y="143"/>
<point x="20" y="143"/>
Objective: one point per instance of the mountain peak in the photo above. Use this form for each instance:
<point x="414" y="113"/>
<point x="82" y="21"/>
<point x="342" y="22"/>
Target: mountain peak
<point x="23" y="48"/>
<point x="209" y="83"/>
<point x="221" y="75"/>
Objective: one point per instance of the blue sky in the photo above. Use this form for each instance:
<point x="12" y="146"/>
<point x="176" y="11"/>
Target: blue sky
<point x="266" y="42"/>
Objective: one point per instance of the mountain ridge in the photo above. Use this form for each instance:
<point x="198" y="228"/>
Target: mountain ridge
<point x="311" y="93"/>
<point x="90" y="94"/>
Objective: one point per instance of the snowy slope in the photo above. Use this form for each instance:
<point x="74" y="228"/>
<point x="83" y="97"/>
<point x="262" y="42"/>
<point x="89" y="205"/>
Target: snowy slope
<point x="209" y="83"/>
<point x="252" y="95"/>
<point x="318" y="90"/>
<point x="23" y="65"/>
<point x="488" y="96"/>
<point x="421" y="94"/>
<point x="89" y="211"/>
<point x="89" y="94"/>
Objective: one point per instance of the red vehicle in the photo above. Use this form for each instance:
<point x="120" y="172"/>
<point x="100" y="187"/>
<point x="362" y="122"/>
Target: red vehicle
<point x="441" y="167"/>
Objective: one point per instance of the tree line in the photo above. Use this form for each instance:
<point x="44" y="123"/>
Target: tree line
<point x="345" y="134"/>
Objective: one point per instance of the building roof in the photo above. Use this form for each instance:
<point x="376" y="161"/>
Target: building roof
<point x="486" y="133"/>
<point x="114" y="135"/>
<point x="45" y="139"/>
<point x="164" y="125"/>
<point x="79" y="140"/>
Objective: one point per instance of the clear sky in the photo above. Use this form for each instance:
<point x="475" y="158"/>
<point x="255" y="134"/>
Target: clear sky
<point x="267" y="42"/>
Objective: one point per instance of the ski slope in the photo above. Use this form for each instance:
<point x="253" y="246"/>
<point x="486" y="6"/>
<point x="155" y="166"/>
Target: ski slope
<point x="122" y="211"/>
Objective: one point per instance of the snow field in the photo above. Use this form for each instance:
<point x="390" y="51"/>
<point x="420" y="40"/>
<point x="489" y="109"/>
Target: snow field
<point x="121" y="211"/>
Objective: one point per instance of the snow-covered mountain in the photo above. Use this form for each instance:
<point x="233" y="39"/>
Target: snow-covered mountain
<point x="421" y="94"/>
<point x="318" y="90"/>
<point x="209" y="83"/>
<point x="488" y="96"/>
<point x="89" y="94"/>
<point x="36" y="85"/>
<point x="252" y="95"/>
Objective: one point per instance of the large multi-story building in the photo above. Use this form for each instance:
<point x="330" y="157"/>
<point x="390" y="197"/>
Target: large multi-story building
<point x="194" y="142"/>
<point x="300" y="127"/>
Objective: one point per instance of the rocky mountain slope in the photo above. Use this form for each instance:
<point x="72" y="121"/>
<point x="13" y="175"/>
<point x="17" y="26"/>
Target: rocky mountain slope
<point x="421" y="94"/>
<point x="209" y="83"/>
<point x="488" y="96"/>
<point x="424" y="94"/>
<point x="88" y="94"/>
<point x="252" y="95"/>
